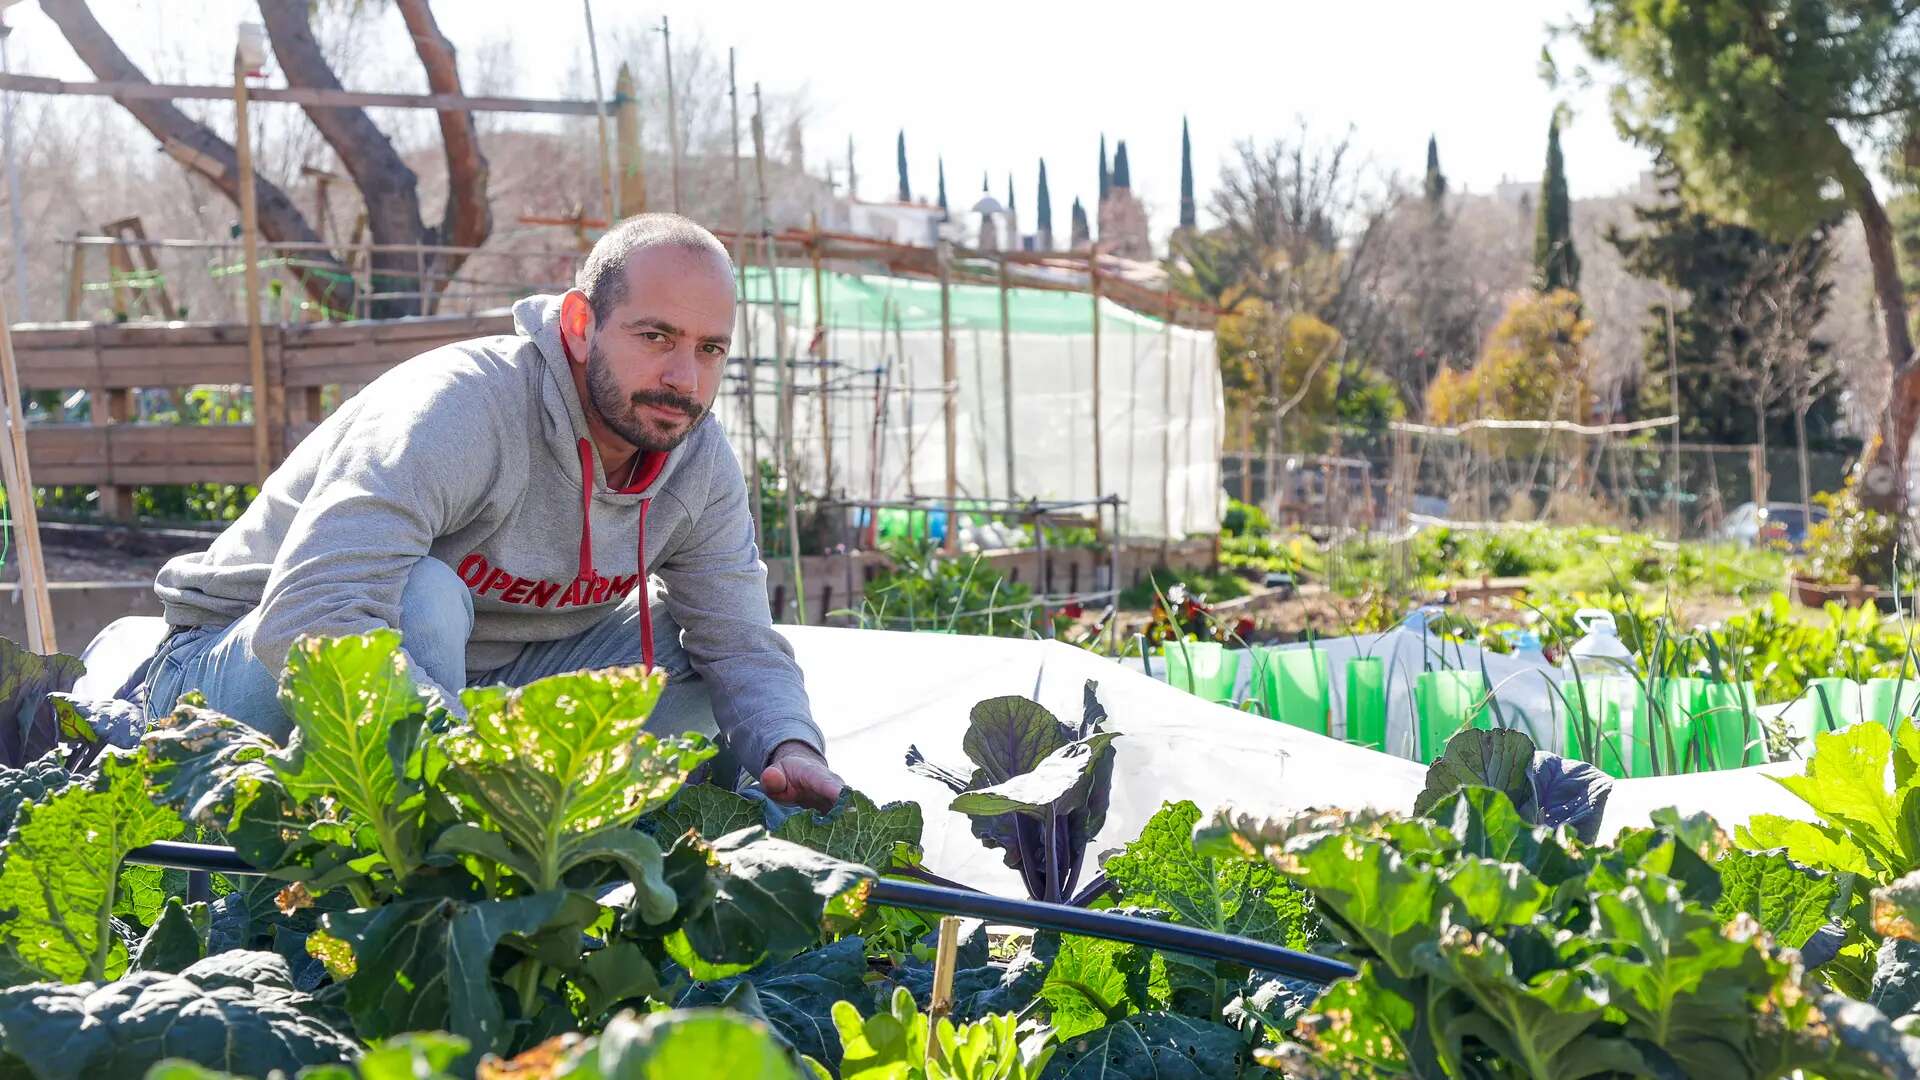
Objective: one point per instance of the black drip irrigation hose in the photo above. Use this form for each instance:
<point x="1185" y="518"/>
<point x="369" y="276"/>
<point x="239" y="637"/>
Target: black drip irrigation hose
<point x="1187" y="940"/>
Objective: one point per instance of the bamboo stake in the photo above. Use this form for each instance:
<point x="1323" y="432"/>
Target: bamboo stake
<point x="1166" y="429"/>
<point x="1093" y="277"/>
<point x="750" y="391"/>
<point x="250" y="253"/>
<point x="820" y="357"/>
<point x="1006" y="372"/>
<point x="673" y="110"/>
<point x="18" y="477"/>
<point x="607" y="190"/>
<point x="906" y="368"/>
<point x="783" y="448"/>
<point x="949" y="375"/>
<point x="940" y="1001"/>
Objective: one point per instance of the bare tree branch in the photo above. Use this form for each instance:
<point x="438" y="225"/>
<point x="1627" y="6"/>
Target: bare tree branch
<point x="196" y="146"/>
<point x="389" y="189"/>
<point x="468" y="218"/>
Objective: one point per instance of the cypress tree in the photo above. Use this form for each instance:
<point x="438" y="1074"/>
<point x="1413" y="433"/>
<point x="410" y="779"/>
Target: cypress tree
<point x="900" y="162"/>
<point x="1189" y="216"/>
<point x="1555" y="264"/>
<point x="1082" y="235"/>
<point x="942" y="163"/>
<point x="1043" y="223"/>
<point x="1436" y="183"/>
<point x="1010" y="207"/>
<point x="1122" y="176"/>
<point x="1106" y="178"/>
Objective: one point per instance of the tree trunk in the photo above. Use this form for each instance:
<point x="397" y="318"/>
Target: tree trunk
<point x="1762" y="484"/>
<point x="1800" y="449"/>
<point x="387" y="186"/>
<point x="1888" y="289"/>
<point x="200" y="150"/>
<point x="468" y="219"/>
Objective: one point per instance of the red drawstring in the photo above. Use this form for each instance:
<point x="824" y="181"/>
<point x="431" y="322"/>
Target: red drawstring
<point x="586" y="550"/>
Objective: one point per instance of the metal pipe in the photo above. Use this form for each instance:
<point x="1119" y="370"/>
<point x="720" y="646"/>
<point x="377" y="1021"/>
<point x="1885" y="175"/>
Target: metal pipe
<point x="1187" y="940"/>
<point x="18" y="230"/>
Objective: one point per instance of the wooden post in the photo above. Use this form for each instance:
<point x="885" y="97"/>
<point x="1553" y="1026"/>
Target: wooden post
<point x="76" y="279"/>
<point x="18" y="477"/>
<point x="1006" y="373"/>
<point x="1166" y="428"/>
<point x="607" y="189"/>
<point x="906" y="367"/>
<point x="1246" y="455"/>
<point x="632" y="188"/>
<point x="741" y="254"/>
<point x="940" y="999"/>
<point x="949" y="375"/>
<point x="250" y="255"/>
<point x="1093" y="276"/>
<point x="783" y="445"/>
<point x="820" y="357"/>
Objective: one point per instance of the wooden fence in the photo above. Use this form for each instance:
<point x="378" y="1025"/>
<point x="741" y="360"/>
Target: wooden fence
<point x="115" y="452"/>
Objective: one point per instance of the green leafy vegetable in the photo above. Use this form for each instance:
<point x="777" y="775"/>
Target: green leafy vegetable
<point x="27" y="725"/>
<point x="893" y="1045"/>
<point x="59" y="867"/>
<point x="558" y="769"/>
<point x="237" y="1012"/>
<point x="671" y="1045"/>
<point x="769" y="899"/>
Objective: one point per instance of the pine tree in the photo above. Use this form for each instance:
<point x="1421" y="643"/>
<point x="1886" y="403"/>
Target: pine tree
<point x="1555" y="264"/>
<point x="1043" y="224"/>
<point x="1436" y="184"/>
<point x="1122" y="176"/>
<point x="1106" y="178"/>
<point x="1189" y="216"/>
<point x="1082" y="238"/>
<point x="942" y="164"/>
<point x="853" y="178"/>
<point x="900" y="162"/>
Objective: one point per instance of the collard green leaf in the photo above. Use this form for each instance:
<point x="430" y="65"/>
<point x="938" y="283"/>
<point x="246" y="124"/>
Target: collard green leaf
<point x="1498" y="759"/>
<point x="1357" y="1027"/>
<point x="59" y="867"/>
<point x="1896" y="977"/>
<point x="981" y="985"/>
<point x="707" y="809"/>
<point x="1092" y="983"/>
<point x="1008" y="736"/>
<point x="1804" y="842"/>
<point x="27" y="725"/>
<point x="552" y="765"/>
<point x="177" y="939"/>
<point x="1155" y="1046"/>
<point x="235" y="1013"/>
<point x="34" y="782"/>
<point x="196" y="756"/>
<point x="1383" y="904"/>
<point x="98" y="723"/>
<point x="1790" y="900"/>
<point x="1537" y="1024"/>
<point x="352" y="700"/>
<point x="796" y="997"/>
<point x="425" y="965"/>
<point x="670" y="1045"/>
<point x="1058" y="783"/>
<point x="1242" y="897"/>
<point x="858" y="831"/>
<point x="769" y="899"/>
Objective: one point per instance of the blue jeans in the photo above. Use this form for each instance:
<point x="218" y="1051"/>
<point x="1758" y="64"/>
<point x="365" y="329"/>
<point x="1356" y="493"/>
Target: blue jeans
<point x="436" y="618"/>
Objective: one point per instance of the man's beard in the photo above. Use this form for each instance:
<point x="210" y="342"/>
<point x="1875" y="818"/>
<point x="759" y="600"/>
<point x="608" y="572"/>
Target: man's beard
<point x="621" y="412"/>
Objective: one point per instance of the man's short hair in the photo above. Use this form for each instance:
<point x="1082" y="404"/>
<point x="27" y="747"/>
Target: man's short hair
<point x="603" y="276"/>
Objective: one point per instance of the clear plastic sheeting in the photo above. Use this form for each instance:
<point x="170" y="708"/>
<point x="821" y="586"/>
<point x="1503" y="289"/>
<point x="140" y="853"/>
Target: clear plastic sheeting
<point x="871" y="345"/>
<point x="877" y="692"/>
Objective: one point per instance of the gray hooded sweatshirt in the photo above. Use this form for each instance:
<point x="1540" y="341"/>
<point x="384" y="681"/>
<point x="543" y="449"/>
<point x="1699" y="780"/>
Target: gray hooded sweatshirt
<point x="476" y="454"/>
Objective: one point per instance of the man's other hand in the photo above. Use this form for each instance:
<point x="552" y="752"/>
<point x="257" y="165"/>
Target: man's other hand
<point x="798" y="775"/>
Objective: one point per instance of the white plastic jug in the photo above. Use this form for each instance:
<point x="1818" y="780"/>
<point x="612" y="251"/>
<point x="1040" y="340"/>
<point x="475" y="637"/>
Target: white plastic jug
<point x="1605" y="671"/>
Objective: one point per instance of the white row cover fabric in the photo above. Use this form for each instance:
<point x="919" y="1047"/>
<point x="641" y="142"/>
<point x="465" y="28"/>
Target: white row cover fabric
<point x="877" y="692"/>
<point x="1161" y="404"/>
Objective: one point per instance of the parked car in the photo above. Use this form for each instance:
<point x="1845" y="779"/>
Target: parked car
<point x="1778" y="523"/>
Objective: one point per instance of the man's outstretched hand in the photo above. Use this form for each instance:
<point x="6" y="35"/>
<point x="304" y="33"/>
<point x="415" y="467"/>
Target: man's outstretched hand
<point x="799" y="775"/>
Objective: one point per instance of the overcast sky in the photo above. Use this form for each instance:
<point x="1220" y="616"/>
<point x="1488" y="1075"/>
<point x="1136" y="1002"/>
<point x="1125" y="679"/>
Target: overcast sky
<point x="996" y="86"/>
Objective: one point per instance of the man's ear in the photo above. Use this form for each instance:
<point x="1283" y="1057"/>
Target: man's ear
<point x="576" y="315"/>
